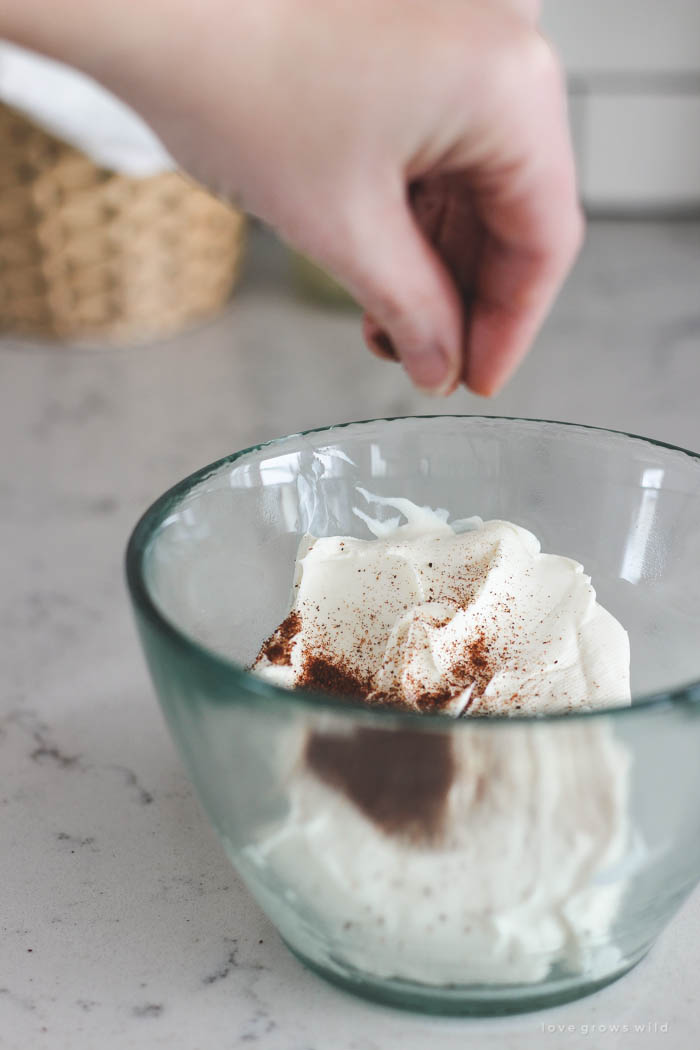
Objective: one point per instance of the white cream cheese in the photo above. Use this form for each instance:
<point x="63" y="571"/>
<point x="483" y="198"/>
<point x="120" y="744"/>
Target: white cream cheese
<point x="524" y="870"/>
<point x="469" y="618"/>
<point x="525" y="876"/>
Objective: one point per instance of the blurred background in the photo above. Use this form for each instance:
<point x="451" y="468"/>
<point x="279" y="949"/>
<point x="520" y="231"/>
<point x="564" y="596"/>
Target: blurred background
<point x="634" y="81"/>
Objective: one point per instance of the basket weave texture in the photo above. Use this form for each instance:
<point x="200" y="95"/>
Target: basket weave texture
<point x="87" y="254"/>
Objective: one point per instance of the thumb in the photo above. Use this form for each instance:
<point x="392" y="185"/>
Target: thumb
<point x="414" y="310"/>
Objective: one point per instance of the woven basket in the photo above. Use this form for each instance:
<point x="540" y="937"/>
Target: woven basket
<point x="86" y="254"/>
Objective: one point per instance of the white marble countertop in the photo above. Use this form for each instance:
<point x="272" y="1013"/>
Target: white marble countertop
<point x="122" y="923"/>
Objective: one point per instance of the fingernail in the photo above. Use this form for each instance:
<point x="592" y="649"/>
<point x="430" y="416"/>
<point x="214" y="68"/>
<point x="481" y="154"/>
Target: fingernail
<point x="429" y="369"/>
<point x="486" y="390"/>
<point x="484" y="385"/>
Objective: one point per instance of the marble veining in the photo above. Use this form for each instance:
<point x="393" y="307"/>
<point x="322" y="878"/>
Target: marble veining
<point x="122" y="924"/>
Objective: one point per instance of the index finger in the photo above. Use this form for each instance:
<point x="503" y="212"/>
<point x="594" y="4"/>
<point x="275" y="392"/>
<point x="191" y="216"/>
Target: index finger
<point x="532" y="230"/>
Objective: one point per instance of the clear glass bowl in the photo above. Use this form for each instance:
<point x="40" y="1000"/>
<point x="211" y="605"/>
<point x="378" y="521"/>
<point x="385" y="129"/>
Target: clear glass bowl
<point x="570" y="841"/>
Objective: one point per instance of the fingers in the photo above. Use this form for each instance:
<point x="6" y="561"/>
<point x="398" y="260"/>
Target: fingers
<point x="456" y="276"/>
<point x="414" y="313"/>
<point x="446" y="219"/>
<point x="527" y="203"/>
<point x="444" y="210"/>
<point x="515" y="290"/>
<point x="503" y="232"/>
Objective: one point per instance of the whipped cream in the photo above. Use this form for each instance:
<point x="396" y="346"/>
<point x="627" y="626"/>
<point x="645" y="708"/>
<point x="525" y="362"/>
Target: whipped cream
<point x="486" y="853"/>
<point x="469" y="618"/>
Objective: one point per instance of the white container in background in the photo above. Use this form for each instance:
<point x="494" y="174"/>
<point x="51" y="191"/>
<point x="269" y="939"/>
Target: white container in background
<point x="634" y="74"/>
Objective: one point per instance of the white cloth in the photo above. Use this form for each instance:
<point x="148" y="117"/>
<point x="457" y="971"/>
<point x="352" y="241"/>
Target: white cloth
<point x="75" y="108"/>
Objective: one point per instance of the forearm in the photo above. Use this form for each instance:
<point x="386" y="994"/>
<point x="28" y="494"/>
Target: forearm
<point x="129" y="45"/>
<point x="83" y="33"/>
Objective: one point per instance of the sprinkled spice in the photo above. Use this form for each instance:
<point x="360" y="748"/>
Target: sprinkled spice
<point x="472" y="667"/>
<point x="278" y="647"/>
<point x="337" y="677"/>
<point x="334" y="677"/>
<point x="478" y="665"/>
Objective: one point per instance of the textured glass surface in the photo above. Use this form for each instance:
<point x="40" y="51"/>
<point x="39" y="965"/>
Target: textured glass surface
<point x="210" y="570"/>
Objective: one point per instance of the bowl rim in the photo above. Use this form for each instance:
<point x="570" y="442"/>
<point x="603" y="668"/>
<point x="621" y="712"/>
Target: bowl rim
<point x="258" y="690"/>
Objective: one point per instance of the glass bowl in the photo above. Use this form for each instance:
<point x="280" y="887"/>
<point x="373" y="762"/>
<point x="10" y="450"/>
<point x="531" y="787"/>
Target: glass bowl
<point x="568" y="841"/>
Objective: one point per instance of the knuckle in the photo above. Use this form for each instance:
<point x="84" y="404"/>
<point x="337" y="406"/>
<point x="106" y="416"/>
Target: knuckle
<point x="520" y="73"/>
<point x="541" y="62"/>
<point x="529" y="61"/>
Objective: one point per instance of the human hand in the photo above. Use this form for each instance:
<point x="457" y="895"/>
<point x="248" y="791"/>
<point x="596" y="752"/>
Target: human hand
<point x="416" y="149"/>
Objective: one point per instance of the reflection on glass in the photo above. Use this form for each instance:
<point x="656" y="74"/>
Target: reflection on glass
<point x="641" y="530"/>
<point x="377" y="463"/>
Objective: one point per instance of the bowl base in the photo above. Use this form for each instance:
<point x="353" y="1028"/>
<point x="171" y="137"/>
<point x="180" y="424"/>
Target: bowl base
<point x="456" y="1001"/>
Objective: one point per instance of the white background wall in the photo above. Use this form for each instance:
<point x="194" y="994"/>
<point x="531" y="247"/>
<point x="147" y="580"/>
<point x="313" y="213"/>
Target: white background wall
<point x="634" y="76"/>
